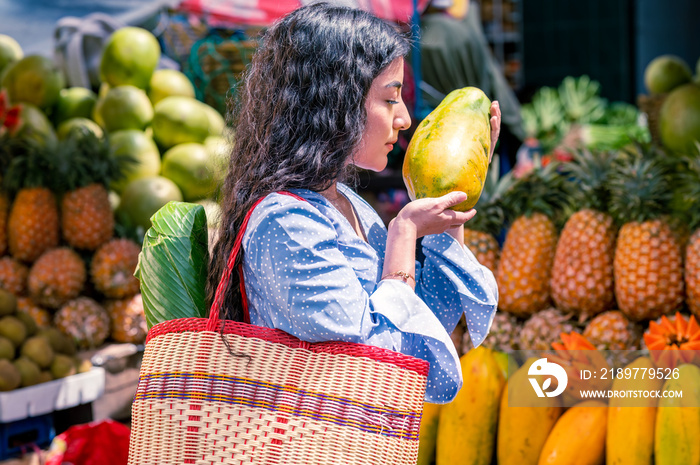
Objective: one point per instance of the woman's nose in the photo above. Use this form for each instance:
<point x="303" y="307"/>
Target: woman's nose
<point x="402" y="119"/>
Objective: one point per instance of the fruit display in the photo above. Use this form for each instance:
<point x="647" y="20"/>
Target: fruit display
<point x="81" y="174"/>
<point x="107" y="195"/>
<point x="525" y="267"/>
<point x="619" y="275"/>
<point x="31" y="353"/>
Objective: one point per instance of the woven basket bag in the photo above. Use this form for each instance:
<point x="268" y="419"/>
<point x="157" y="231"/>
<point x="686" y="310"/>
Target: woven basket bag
<point x="271" y="399"/>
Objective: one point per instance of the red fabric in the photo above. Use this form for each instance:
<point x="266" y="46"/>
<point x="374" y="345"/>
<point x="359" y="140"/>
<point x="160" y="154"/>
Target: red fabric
<point x="224" y="13"/>
<point x="99" y="443"/>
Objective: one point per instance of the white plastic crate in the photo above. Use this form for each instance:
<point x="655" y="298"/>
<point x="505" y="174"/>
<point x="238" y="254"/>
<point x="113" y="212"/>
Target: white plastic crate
<point x="54" y="395"/>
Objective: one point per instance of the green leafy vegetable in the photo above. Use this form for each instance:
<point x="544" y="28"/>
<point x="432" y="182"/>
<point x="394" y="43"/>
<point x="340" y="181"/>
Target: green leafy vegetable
<point x="173" y="264"/>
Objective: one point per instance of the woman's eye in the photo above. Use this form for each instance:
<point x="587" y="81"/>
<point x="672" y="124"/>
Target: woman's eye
<point x="393" y="102"/>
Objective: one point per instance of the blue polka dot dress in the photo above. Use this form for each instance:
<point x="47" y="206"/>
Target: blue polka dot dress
<point x="308" y="273"/>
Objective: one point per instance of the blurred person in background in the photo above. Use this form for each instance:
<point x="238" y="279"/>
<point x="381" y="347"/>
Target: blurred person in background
<point x="456" y="54"/>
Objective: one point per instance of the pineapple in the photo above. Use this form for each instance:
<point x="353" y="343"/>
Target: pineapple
<point x="543" y="328"/>
<point x="481" y="231"/>
<point x="582" y="272"/>
<point x="13" y="275"/>
<point x="4" y="210"/>
<point x="128" y="320"/>
<point x="87" y="220"/>
<point x="692" y="273"/>
<point x="686" y="201"/>
<point x="32" y="227"/>
<point x="83" y="320"/>
<point x="648" y="264"/>
<point x="612" y="330"/>
<point x="29" y="178"/>
<point x="524" y="269"/>
<point x="41" y="317"/>
<point x="503" y="335"/>
<point x="112" y="268"/>
<point x="56" y="277"/>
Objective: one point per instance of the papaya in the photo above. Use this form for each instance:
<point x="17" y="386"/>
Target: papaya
<point x="449" y="151"/>
<point x="467" y="425"/>
<point x="427" y="438"/>
<point x="578" y="437"/>
<point x="630" y="436"/>
<point x="677" y="434"/>
<point x="525" y="424"/>
<point x="507" y="363"/>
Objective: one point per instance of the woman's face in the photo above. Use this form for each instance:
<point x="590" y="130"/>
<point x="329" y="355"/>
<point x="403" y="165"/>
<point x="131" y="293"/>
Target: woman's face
<point x="386" y="116"/>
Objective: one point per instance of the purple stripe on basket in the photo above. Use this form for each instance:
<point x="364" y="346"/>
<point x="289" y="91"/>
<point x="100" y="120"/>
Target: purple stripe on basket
<point x="404" y="424"/>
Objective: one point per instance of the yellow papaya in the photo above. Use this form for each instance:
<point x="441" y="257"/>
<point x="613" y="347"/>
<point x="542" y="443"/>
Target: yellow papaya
<point x="449" y="151"/>
<point x="630" y="436"/>
<point x="578" y="437"/>
<point x="427" y="438"/>
<point x="677" y="434"/>
<point x="507" y="363"/>
<point x="467" y="425"/>
<point x="523" y="426"/>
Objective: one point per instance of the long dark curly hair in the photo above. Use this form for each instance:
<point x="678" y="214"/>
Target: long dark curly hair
<point x="299" y="115"/>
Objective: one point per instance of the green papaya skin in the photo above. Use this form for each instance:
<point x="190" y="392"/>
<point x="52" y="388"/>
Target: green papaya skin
<point x="449" y="150"/>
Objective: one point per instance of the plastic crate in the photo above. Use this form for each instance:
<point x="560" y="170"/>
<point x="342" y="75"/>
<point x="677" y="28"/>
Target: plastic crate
<point x="19" y="436"/>
<point x="45" y="398"/>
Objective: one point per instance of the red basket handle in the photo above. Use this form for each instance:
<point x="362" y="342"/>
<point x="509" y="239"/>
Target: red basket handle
<point x="214" y="319"/>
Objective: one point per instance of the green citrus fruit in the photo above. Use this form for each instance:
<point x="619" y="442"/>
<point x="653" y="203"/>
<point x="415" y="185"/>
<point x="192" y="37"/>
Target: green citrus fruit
<point x="124" y="107"/>
<point x="216" y="121"/>
<point x="169" y="82"/>
<point x="191" y="166"/>
<point x="10" y="51"/>
<point x="129" y="58"/>
<point x="220" y="150"/>
<point x="34" y="79"/>
<point x="213" y="212"/>
<point x="134" y="144"/>
<point x="34" y="124"/>
<point x="679" y="118"/>
<point x="143" y="197"/>
<point x="178" y="120"/>
<point x="76" y="124"/>
<point x="666" y="72"/>
<point x="74" y="102"/>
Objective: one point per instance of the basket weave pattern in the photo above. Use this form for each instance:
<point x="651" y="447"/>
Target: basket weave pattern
<point x="197" y="403"/>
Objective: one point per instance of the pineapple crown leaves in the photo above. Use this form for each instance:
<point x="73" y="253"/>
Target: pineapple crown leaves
<point x="641" y="186"/>
<point x="27" y="163"/>
<point x="589" y="172"/>
<point x="543" y="190"/>
<point x="686" y="195"/>
<point x="490" y="217"/>
<point x="83" y="158"/>
<point x="581" y="100"/>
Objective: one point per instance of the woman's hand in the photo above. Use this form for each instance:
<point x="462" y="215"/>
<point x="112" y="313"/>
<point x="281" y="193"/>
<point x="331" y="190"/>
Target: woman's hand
<point x="432" y="215"/>
<point x="495" y="121"/>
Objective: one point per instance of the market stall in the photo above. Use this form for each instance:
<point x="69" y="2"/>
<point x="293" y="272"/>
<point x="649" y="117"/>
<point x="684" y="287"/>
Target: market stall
<point x="593" y="237"/>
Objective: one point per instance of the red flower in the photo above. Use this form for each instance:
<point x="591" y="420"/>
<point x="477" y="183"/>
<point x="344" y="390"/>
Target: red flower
<point x="9" y="115"/>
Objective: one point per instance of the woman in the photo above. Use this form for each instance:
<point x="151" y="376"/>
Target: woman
<point x="323" y="92"/>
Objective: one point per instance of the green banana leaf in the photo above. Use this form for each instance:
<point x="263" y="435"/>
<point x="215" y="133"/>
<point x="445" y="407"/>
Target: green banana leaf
<point x="173" y="264"/>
